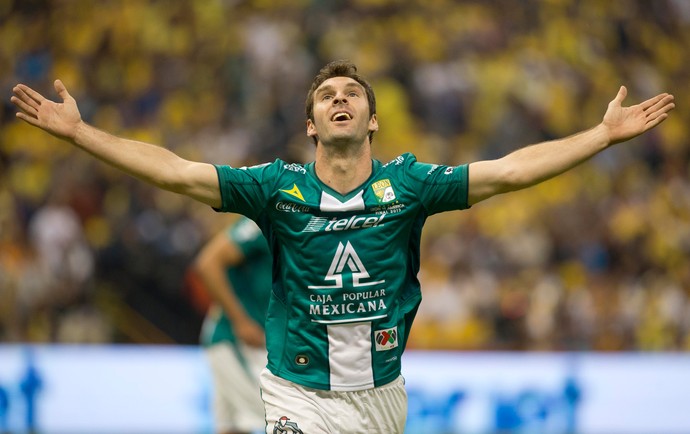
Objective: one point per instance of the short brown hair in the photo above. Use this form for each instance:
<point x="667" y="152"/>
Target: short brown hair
<point x="340" y="68"/>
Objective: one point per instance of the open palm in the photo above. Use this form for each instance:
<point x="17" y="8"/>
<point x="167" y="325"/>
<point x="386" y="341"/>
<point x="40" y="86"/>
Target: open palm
<point x="58" y="119"/>
<point x="624" y="123"/>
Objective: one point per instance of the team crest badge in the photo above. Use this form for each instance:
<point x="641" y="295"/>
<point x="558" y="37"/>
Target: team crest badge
<point x="383" y="191"/>
<point x="285" y="426"/>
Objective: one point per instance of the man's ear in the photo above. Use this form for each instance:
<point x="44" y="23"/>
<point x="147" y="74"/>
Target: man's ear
<point x="373" y="123"/>
<point x="311" y="128"/>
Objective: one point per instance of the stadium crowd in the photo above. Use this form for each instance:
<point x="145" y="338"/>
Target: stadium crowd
<point x="596" y="259"/>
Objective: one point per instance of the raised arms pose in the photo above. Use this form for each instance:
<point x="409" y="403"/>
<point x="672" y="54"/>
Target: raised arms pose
<point x="158" y="166"/>
<point x="344" y="232"/>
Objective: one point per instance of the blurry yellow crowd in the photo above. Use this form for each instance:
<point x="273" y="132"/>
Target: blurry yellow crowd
<point x="596" y="259"/>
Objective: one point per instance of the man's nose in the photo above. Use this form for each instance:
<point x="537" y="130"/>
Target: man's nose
<point x="340" y="100"/>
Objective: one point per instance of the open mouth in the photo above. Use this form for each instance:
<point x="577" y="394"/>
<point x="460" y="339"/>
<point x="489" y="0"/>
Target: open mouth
<point x="341" y="116"/>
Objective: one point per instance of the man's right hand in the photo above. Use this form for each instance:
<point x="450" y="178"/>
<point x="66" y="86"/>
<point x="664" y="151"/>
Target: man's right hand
<point x="59" y="119"/>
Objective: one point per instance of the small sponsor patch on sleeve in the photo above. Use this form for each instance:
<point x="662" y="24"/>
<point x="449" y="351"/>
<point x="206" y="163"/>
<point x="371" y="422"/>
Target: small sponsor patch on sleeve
<point x="386" y="339"/>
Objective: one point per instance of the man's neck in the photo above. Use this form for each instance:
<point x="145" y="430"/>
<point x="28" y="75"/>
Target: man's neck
<point x="343" y="169"/>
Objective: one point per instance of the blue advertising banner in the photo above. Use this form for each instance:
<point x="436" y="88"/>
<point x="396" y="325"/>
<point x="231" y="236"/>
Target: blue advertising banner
<point x="103" y="389"/>
<point x="543" y="393"/>
<point x="153" y="389"/>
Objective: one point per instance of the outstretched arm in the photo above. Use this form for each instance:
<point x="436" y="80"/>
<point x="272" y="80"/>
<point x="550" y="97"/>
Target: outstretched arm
<point x="150" y="163"/>
<point x="211" y="264"/>
<point x="536" y="163"/>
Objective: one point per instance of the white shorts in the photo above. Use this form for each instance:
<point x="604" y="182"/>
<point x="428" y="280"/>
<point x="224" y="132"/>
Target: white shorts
<point x="237" y="404"/>
<point x="292" y="408"/>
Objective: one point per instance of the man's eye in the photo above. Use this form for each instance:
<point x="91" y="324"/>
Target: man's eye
<point x="353" y="94"/>
<point x="327" y="97"/>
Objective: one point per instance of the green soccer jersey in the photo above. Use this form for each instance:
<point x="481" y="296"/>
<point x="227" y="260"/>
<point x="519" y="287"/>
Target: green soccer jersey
<point x="345" y="287"/>
<point x="251" y="281"/>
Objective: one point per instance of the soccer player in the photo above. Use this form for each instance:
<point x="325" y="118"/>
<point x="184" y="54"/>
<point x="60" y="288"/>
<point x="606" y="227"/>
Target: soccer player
<point x="235" y="268"/>
<point x="344" y="232"/>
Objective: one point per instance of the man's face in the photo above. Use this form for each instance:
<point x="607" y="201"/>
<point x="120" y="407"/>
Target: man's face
<point x="341" y="112"/>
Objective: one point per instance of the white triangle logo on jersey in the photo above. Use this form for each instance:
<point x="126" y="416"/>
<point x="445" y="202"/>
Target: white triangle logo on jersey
<point x="346" y="256"/>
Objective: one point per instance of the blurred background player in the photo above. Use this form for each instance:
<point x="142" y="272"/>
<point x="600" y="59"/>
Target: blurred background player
<point x="235" y="268"/>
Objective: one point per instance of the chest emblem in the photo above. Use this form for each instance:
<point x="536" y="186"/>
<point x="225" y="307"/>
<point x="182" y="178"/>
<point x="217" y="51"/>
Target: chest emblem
<point x="383" y="191"/>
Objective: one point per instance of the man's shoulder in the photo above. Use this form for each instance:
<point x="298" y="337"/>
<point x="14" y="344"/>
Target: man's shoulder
<point x="290" y="168"/>
<point x="273" y="170"/>
<point x="400" y="162"/>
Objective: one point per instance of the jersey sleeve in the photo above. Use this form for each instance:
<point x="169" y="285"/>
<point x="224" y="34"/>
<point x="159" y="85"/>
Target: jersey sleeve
<point x="439" y="187"/>
<point x="246" y="190"/>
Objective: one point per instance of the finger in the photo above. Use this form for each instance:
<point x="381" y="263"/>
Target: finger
<point x="26" y="118"/>
<point x="659" y="111"/>
<point x="24" y="97"/>
<point x="24" y="107"/>
<point x="622" y="93"/>
<point x="651" y="123"/>
<point x="663" y="105"/>
<point x="31" y="93"/>
<point x="651" y="102"/>
<point x="61" y="90"/>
